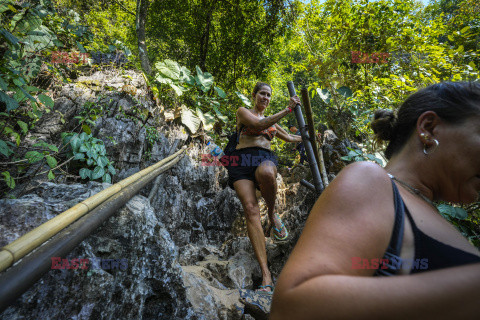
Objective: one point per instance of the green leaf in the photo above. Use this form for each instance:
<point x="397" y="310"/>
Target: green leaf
<point x="465" y="29"/>
<point x="455" y="212"/>
<point x="189" y="120"/>
<point x="46" y="100"/>
<point x="8" y="179"/>
<point x="4" y="149"/>
<point x="111" y="169"/>
<point x="50" y="175"/>
<point x="3" y="84"/>
<point x="33" y="156"/>
<point x="29" y="23"/>
<point x="178" y="89"/>
<point x="324" y="95"/>
<point x="8" y="36"/>
<point x="89" y="162"/>
<point x="23" y="126"/>
<point x="12" y="104"/>
<point x="51" y="161"/>
<point x="220" y="92"/>
<point x="244" y="99"/>
<point x="85" y="173"/>
<point x="107" y="178"/>
<point x="97" y="173"/>
<point x="79" y="156"/>
<point x="52" y="147"/>
<point x="80" y="47"/>
<point x="86" y="128"/>
<point x="102" y="161"/>
<point x="345" y="91"/>
<point x="203" y="79"/>
<point x="84" y="148"/>
<point x="28" y="95"/>
<point x="75" y="142"/>
<point x="220" y="115"/>
<point x="169" y="68"/>
<point x="207" y="119"/>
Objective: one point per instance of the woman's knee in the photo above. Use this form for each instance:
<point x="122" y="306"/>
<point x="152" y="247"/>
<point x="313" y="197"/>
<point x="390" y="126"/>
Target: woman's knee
<point x="252" y="211"/>
<point x="266" y="174"/>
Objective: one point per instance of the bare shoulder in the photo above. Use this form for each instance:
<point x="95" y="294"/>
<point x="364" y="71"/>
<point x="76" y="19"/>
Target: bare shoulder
<point x="361" y="190"/>
<point x="242" y="110"/>
<point x="352" y="218"/>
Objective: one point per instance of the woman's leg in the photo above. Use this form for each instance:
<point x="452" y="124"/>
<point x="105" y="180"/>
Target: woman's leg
<point x="246" y="193"/>
<point x="266" y="176"/>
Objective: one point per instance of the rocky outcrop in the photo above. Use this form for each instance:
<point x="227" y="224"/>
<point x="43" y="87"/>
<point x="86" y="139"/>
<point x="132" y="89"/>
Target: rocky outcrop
<point x="132" y="272"/>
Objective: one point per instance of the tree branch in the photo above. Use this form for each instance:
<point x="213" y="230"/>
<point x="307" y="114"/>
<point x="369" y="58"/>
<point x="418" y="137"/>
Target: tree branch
<point x="123" y="7"/>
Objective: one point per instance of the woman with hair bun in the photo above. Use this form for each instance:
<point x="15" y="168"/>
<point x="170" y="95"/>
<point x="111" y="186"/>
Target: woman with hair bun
<point x="374" y="244"/>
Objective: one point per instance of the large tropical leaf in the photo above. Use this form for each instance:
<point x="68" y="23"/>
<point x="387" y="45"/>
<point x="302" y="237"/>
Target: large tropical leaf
<point x="207" y="118"/>
<point x="39" y="39"/>
<point x="189" y="119"/>
<point x="324" y="94"/>
<point x="345" y="91"/>
<point x="169" y="69"/>
<point x="27" y="21"/>
<point x="203" y="79"/>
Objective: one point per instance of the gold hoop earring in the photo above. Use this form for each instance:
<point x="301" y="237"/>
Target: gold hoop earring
<point x="434" y="147"/>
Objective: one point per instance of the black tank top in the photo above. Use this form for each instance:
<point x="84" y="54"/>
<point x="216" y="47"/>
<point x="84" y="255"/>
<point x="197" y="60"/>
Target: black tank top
<point x="430" y="254"/>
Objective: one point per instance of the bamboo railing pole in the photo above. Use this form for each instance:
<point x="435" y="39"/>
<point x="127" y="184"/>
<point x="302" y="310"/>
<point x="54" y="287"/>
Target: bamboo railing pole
<point x="18" y="279"/>
<point x="317" y="179"/>
<point x="310" y="123"/>
<point x="14" y="251"/>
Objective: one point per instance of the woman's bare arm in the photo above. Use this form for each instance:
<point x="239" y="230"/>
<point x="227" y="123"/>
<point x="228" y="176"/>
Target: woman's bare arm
<point x="285" y="136"/>
<point x="354" y="217"/>
<point x="250" y="120"/>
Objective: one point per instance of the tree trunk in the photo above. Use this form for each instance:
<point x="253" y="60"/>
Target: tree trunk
<point x="140" y="21"/>
<point x="205" y="38"/>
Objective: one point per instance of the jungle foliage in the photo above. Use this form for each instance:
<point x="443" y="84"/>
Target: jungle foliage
<point x="354" y="56"/>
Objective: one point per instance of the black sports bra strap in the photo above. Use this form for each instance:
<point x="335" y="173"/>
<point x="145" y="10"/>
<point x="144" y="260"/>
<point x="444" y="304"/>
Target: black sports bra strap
<point x="396" y="240"/>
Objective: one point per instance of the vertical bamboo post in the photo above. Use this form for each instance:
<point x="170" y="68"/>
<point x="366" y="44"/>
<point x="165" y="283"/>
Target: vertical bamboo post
<point x="310" y="123"/>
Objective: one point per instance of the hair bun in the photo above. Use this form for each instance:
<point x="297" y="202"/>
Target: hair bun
<point x="383" y="124"/>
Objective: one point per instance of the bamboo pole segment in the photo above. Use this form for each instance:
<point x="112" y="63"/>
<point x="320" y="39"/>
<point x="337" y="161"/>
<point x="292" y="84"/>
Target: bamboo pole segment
<point x="310" y="123"/>
<point x="317" y="179"/>
<point x="18" y="279"/>
<point x="322" y="169"/>
<point x="311" y="129"/>
<point x="14" y="251"/>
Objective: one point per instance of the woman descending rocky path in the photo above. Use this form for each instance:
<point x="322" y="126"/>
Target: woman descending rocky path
<point x="183" y="254"/>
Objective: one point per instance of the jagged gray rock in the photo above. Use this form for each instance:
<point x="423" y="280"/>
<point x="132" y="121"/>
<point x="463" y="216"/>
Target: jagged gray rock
<point x="150" y="287"/>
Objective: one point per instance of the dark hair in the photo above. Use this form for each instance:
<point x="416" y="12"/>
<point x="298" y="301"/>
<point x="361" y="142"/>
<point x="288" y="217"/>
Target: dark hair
<point x="453" y="102"/>
<point x="259" y="86"/>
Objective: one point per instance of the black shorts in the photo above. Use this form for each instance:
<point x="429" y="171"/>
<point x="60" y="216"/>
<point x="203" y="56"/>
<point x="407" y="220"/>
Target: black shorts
<point x="243" y="163"/>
